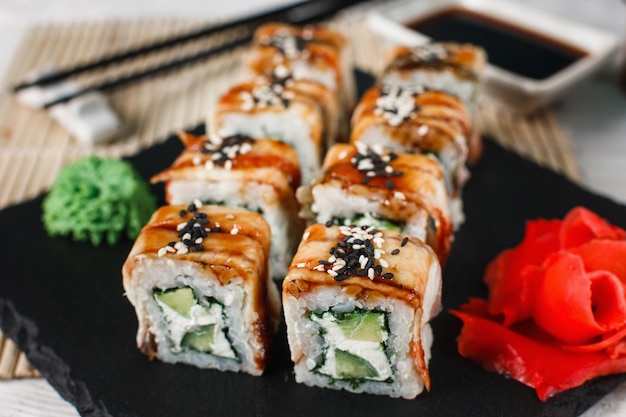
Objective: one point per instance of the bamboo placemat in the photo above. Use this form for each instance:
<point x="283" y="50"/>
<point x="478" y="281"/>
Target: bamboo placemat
<point x="33" y="148"/>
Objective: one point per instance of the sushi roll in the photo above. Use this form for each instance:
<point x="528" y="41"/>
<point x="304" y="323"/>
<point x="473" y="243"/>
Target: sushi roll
<point x="447" y="66"/>
<point x="198" y="280"/>
<point x="456" y="68"/>
<point x="239" y="171"/>
<point x="374" y="186"/>
<point x="418" y="120"/>
<point x="312" y="53"/>
<point x="357" y="304"/>
<point x="261" y="108"/>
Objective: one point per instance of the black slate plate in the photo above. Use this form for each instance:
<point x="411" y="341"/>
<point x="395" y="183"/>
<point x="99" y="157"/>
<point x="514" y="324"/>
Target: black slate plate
<point x="63" y="303"/>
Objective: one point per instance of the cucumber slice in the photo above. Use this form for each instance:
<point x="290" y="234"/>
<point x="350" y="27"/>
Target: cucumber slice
<point x="178" y="299"/>
<point x="362" y="325"/>
<point x="370" y="219"/>
<point x="201" y="339"/>
<point x="349" y="366"/>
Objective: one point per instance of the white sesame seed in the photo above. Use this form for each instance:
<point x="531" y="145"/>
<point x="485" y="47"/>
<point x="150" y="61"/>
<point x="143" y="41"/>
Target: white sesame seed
<point x="162" y="251"/>
<point x="422" y="130"/>
<point x="306" y="235"/>
<point x="332" y="273"/>
<point x="399" y="195"/>
<point x="187" y="236"/>
<point x="234" y="230"/>
<point x="170" y="249"/>
<point x="182" y="251"/>
<point x="383" y="263"/>
<point x="198" y="240"/>
<point x="319" y="267"/>
<point x="179" y="245"/>
<point x="209" y="165"/>
<point x="181" y="226"/>
<point x="301" y="265"/>
<point x="332" y="259"/>
<point x="370" y="273"/>
<point x="229" y="216"/>
<point x="342" y="155"/>
<point x="228" y="165"/>
<point x="197" y="160"/>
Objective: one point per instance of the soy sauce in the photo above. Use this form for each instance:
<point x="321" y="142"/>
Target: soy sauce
<point x="509" y="47"/>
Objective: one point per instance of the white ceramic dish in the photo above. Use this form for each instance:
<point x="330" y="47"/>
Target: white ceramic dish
<point x="516" y="92"/>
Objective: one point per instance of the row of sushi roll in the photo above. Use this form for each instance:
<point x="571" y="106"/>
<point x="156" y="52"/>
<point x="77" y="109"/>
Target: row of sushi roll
<point x="366" y="279"/>
<point x="363" y="280"/>
<point x="200" y="273"/>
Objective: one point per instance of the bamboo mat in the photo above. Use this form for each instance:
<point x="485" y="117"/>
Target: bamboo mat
<point x="33" y="148"/>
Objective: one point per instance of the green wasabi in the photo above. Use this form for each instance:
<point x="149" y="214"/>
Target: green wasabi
<point x="98" y="199"/>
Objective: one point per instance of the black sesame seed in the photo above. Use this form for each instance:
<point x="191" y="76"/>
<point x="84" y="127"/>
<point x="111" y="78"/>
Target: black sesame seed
<point x="361" y="272"/>
<point x="395" y="251"/>
<point x="340" y="277"/>
<point x="182" y="213"/>
<point x="172" y="244"/>
<point x="388" y="275"/>
<point x="199" y="247"/>
<point x="404" y="241"/>
<point x="329" y="223"/>
<point x="191" y="207"/>
<point x="216" y="230"/>
<point x="389" y="185"/>
<point x="324" y="262"/>
<point x="378" y="269"/>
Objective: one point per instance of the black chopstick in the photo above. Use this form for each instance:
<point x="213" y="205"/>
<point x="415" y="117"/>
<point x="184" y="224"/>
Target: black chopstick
<point x="302" y="14"/>
<point x="148" y="72"/>
<point x="154" y="46"/>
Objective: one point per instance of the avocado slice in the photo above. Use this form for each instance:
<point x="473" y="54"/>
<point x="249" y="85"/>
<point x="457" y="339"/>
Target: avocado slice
<point x="349" y="366"/>
<point x="200" y="339"/>
<point x="178" y="299"/>
<point x="362" y="325"/>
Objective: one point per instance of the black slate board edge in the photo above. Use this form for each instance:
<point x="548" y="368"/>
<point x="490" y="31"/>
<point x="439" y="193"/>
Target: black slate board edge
<point x="24" y="333"/>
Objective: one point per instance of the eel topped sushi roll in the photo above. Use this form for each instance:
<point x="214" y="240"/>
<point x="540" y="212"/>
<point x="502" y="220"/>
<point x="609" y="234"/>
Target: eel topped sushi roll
<point x="198" y="280"/>
<point x="257" y="174"/>
<point x="375" y="186"/>
<point x="357" y="304"/>
<point x="448" y="66"/>
<point x="263" y="108"/>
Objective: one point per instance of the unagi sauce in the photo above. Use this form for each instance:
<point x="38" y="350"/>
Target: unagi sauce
<point x="510" y="47"/>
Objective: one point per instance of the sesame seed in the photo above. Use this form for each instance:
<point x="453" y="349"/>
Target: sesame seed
<point x="300" y="265"/>
<point x="234" y="230"/>
<point x="383" y="263"/>
<point x="387" y="275"/>
<point x="229" y="216"/>
<point x="395" y="251"/>
<point x="404" y="242"/>
<point x="306" y="235"/>
<point x="162" y="252"/>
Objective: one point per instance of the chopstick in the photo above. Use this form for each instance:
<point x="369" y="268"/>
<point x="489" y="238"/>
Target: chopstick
<point x="153" y="47"/>
<point x="299" y="13"/>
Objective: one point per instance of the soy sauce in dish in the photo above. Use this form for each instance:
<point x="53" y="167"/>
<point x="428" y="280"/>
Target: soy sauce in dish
<point x="510" y="47"/>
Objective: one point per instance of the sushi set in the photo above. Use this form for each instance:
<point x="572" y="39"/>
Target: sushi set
<point x="361" y="285"/>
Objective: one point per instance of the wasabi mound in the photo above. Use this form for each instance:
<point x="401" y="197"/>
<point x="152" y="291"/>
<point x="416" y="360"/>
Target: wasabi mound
<point x="98" y="199"/>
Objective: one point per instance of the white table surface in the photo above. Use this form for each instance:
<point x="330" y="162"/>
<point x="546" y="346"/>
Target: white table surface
<point x="593" y="114"/>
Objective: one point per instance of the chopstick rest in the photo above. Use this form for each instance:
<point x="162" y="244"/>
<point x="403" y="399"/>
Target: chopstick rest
<point x="89" y="118"/>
